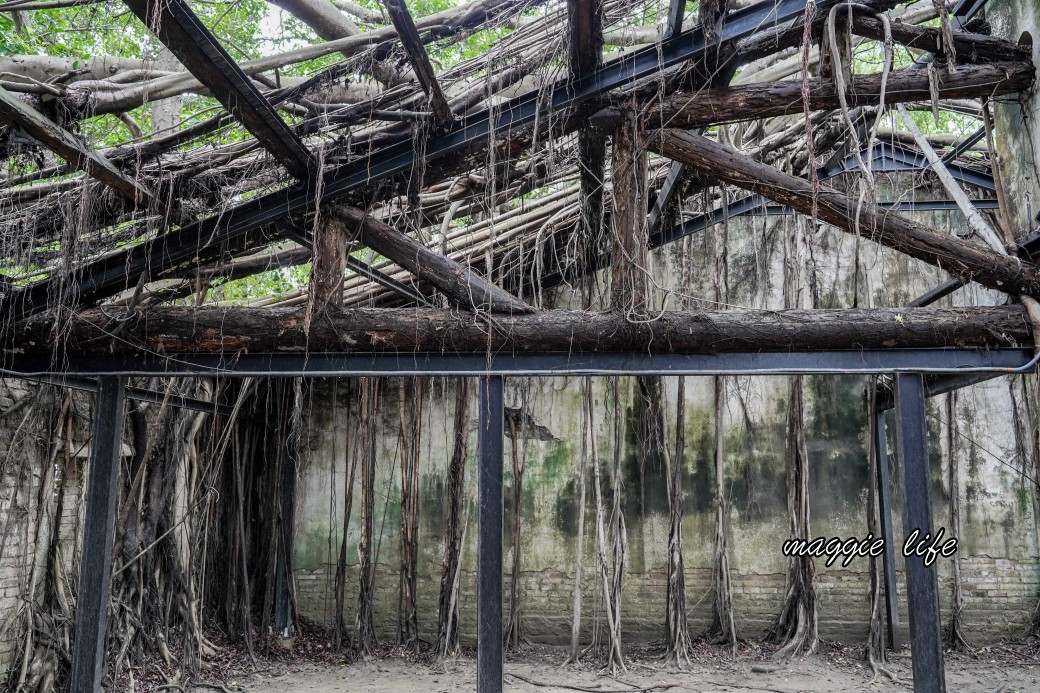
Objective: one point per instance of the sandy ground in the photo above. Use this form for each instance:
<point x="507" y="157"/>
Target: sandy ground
<point x="538" y="669"/>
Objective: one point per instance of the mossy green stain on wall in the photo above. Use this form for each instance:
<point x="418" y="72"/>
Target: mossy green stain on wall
<point x="836" y="432"/>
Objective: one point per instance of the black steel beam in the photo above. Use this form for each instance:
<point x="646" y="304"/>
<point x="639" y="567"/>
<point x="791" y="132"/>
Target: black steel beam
<point x="526" y="364"/>
<point x="964" y="11"/>
<point x="489" y="537"/>
<point x="1029" y="242"/>
<point x="180" y="30"/>
<point x="95" y="568"/>
<point x="204" y="241"/>
<point x="884" y="484"/>
<point x="139" y="393"/>
<point x="922" y="584"/>
<point x="935" y="385"/>
<point x="665" y="195"/>
<point x="941" y="291"/>
<point x="387" y="281"/>
<point x="966" y="144"/>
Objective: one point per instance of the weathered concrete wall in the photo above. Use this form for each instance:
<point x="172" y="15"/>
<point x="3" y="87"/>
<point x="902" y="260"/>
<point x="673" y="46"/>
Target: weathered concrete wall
<point x="998" y="543"/>
<point x="1017" y="129"/>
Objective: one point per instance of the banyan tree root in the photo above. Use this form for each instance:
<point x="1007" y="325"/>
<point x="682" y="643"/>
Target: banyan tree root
<point x="796" y="628"/>
<point x="723" y="629"/>
<point x="364" y="620"/>
<point x="588" y="450"/>
<point x="454" y="530"/>
<point x="955" y="630"/>
<point x="340" y="636"/>
<point x="677" y="629"/>
<point x="611" y="573"/>
<point x="410" y="427"/>
<point x="518" y="435"/>
<point x="162" y="526"/>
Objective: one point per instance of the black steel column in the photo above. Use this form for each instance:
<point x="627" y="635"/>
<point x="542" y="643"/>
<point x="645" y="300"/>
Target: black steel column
<point x="95" y="568"/>
<point x="884" y="485"/>
<point x="489" y="538"/>
<point x="922" y="587"/>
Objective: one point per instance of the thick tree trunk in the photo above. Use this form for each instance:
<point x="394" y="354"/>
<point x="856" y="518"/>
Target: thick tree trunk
<point x="629" y="279"/>
<point x="916" y="240"/>
<point x="173" y="330"/>
<point x="457" y="282"/>
<point x="327" y="267"/>
<point x="585" y="54"/>
<point x="973" y="48"/>
<point x="321" y="16"/>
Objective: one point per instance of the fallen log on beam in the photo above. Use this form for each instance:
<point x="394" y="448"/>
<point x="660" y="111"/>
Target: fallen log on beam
<point x="768" y="100"/>
<point x="184" y="330"/>
<point x="458" y="283"/>
<point x="180" y="29"/>
<point x="967" y="261"/>
<point x="971" y="48"/>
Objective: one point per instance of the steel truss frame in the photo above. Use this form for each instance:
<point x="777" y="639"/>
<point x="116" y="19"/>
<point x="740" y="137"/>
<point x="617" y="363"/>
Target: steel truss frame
<point x="206" y="239"/>
<point x="907" y="365"/>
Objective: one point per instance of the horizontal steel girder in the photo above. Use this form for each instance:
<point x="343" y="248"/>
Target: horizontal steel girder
<point x="528" y="364"/>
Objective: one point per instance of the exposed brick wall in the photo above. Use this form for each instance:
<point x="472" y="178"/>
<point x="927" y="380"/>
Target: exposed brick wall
<point x="26" y="412"/>
<point x="999" y="596"/>
<point x="999" y="567"/>
<point x="17" y="508"/>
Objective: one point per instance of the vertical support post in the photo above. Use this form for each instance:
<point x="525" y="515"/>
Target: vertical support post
<point x="489" y="538"/>
<point x="884" y="484"/>
<point x="922" y="585"/>
<point x="95" y="568"/>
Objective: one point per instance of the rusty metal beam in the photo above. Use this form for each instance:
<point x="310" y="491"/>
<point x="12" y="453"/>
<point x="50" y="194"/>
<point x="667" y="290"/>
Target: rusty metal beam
<point x="420" y="61"/>
<point x="197" y="48"/>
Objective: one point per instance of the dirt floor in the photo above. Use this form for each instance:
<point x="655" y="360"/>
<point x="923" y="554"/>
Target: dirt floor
<point x="537" y="669"/>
